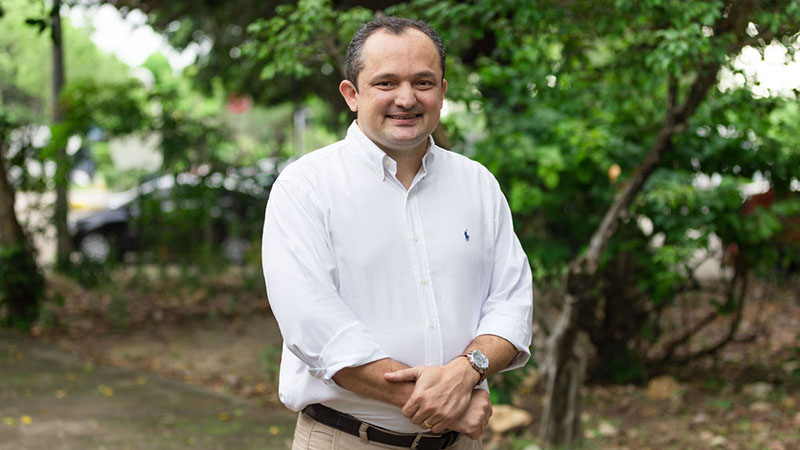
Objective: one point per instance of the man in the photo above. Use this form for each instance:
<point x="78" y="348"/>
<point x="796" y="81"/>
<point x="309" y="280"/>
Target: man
<point x="391" y="265"/>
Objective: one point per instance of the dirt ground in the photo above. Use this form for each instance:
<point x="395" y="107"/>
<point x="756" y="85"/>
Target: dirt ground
<point x="219" y="333"/>
<point x="51" y="399"/>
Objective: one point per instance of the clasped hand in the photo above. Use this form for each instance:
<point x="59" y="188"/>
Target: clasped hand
<point x="444" y="399"/>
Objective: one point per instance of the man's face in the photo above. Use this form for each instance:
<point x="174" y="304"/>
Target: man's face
<point x="400" y="91"/>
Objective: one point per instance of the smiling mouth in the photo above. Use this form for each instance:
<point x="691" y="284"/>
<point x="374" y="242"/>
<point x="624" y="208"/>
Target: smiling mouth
<point x="403" y="116"/>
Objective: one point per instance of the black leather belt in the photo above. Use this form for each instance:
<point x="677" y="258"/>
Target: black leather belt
<point x="368" y="432"/>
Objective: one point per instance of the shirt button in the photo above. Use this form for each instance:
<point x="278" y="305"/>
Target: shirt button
<point x="431" y="325"/>
<point x="386" y="163"/>
<point x="424" y="282"/>
<point x="416" y="238"/>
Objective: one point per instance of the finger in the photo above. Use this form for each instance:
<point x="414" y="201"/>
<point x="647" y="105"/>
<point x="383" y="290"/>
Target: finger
<point x="421" y="415"/>
<point x="409" y="374"/>
<point x="411" y="407"/>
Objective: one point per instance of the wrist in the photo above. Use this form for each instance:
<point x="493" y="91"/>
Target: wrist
<point x="469" y="374"/>
<point x="479" y="363"/>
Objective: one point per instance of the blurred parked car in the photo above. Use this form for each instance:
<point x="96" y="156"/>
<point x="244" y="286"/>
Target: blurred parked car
<point x="174" y="216"/>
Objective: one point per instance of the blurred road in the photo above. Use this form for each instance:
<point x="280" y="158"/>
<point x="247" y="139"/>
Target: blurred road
<point x="53" y="400"/>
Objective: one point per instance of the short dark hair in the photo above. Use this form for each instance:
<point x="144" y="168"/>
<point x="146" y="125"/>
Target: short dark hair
<point x="354" y="61"/>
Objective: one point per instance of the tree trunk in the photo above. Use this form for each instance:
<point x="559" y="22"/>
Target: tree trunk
<point x="10" y="230"/>
<point x="565" y="363"/>
<point x="63" y="242"/>
<point x="564" y="369"/>
<point x="21" y="283"/>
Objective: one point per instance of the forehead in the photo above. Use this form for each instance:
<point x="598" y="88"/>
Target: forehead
<point x="412" y="50"/>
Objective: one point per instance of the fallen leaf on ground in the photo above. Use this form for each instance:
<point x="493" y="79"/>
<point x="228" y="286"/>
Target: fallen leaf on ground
<point x="718" y="441"/>
<point x="760" y="407"/>
<point x="607" y="429"/>
<point x="105" y="390"/>
<point x="506" y="418"/>
<point x="273" y="430"/>
<point x="758" y="390"/>
<point x="663" y="388"/>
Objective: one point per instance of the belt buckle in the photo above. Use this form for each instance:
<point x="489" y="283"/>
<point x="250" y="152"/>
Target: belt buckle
<point x="362" y="432"/>
<point x="447" y="439"/>
<point x="416" y="440"/>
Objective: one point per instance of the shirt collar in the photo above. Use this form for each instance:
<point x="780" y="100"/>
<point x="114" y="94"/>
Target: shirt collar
<point x="377" y="160"/>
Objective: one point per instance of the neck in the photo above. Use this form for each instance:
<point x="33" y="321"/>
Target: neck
<point x="408" y="164"/>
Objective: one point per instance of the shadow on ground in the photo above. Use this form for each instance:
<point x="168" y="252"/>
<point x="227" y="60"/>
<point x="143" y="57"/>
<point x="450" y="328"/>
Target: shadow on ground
<point x="50" y="399"/>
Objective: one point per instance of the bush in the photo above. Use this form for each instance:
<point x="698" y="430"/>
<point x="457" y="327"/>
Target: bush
<point x="22" y="287"/>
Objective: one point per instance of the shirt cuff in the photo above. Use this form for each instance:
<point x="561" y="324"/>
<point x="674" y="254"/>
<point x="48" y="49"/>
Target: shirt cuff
<point x="518" y="334"/>
<point x="348" y="348"/>
<point x="483" y="385"/>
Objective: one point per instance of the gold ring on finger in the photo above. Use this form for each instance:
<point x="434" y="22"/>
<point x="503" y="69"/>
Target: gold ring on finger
<point x="427" y="425"/>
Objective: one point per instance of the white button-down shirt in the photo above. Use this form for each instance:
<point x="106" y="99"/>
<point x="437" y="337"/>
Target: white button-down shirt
<point x="359" y="269"/>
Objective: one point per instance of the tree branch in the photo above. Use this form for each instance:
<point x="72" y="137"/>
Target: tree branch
<point x="730" y="336"/>
<point x="675" y="121"/>
<point x="335" y="52"/>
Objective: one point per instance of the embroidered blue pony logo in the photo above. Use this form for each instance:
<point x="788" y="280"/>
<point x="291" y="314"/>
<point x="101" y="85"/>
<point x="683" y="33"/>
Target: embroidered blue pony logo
<point x="466" y="235"/>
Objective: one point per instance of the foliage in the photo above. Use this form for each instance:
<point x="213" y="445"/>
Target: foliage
<point x="192" y="222"/>
<point x="225" y="25"/>
<point x="503" y="385"/>
<point x="90" y="274"/>
<point x="306" y="43"/>
<point x="270" y="360"/>
<point x="25" y="61"/>
<point x="21" y="287"/>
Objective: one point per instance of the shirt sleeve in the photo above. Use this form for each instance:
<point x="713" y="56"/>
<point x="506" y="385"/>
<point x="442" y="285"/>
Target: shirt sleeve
<point x="508" y="309"/>
<point x="300" y="274"/>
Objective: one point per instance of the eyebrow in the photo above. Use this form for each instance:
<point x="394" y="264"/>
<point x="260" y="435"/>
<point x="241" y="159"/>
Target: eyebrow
<point x="384" y="75"/>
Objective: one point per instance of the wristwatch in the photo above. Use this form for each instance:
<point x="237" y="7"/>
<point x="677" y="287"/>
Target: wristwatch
<point x="479" y="362"/>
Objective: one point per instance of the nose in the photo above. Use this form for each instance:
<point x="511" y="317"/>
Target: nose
<point x="406" y="98"/>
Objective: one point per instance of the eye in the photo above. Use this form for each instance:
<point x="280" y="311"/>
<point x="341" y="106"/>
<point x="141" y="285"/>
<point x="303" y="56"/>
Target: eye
<point x="426" y="84"/>
<point x="384" y="84"/>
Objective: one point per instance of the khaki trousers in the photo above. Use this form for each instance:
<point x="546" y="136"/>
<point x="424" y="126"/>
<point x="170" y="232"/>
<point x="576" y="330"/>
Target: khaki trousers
<point x="312" y="435"/>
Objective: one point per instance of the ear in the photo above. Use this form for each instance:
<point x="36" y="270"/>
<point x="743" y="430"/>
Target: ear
<point x="444" y="89"/>
<point x="350" y="94"/>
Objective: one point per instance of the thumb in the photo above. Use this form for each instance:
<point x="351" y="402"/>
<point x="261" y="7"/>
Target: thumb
<point x="409" y="374"/>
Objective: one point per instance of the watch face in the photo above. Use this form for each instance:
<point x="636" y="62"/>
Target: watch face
<point x="480" y="359"/>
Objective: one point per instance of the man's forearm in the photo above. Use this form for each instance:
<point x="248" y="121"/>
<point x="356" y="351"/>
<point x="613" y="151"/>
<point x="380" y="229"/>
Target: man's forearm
<point x="499" y="351"/>
<point x="369" y="381"/>
<point x="440" y="393"/>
